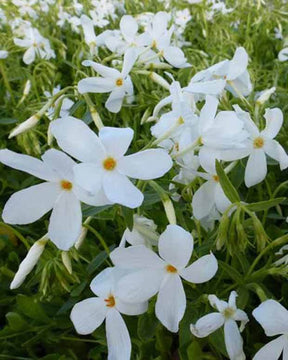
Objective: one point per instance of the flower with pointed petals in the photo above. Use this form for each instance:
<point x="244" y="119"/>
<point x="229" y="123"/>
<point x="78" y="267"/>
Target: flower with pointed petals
<point x="234" y="72"/>
<point x="257" y="145"/>
<point x="104" y="167"/>
<point x="283" y="55"/>
<point x="273" y="317"/>
<point x="112" y="81"/>
<point x="89" y="314"/>
<point x="58" y="193"/>
<point x="151" y="274"/>
<point x="228" y="315"/>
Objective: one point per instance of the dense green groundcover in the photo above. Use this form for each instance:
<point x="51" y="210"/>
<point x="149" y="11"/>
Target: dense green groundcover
<point x="34" y="319"/>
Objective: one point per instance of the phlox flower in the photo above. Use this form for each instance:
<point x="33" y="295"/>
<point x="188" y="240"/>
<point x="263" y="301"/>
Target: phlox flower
<point x="36" y="45"/>
<point x="105" y="169"/>
<point x="91" y="39"/>
<point x="143" y="232"/>
<point x="227" y="316"/>
<point x="273" y="317"/>
<point x="234" y="72"/>
<point x="283" y="55"/>
<point x="58" y="193"/>
<point x="159" y="38"/>
<point x="89" y="314"/>
<point x="3" y="54"/>
<point x="257" y="145"/>
<point x="210" y="198"/>
<point x="112" y="81"/>
<point x="152" y="274"/>
<point x="65" y="105"/>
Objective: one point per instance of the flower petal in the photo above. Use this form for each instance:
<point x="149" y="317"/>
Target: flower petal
<point x="103" y="283"/>
<point x="96" y="85"/>
<point x="272" y="350"/>
<point x="118" y="339"/>
<point x="88" y="315"/>
<point x="27" y="164"/>
<point x="238" y="64"/>
<point x="65" y="221"/>
<point x="274" y="121"/>
<point x="119" y="189"/>
<point x="201" y="270"/>
<point x="207" y="324"/>
<point x="103" y="70"/>
<point x="115" y="100"/>
<point x="171" y="303"/>
<point x="273" y="317"/>
<point x="128" y="26"/>
<point x="29" y="205"/>
<point x="136" y="257"/>
<point x="116" y="140"/>
<point x="176" y="246"/>
<point x="130" y="57"/>
<point x="233" y="340"/>
<point x="256" y="168"/>
<point x="61" y="163"/>
<point x="89" y="177"/>
<point x="145" y="165"/>
<point x="29" y="55"/>
<point x="204" y="199"/>
<point x="131" y="309"/>
<point x="77" y="139"/>
<point x="141" y="285"/>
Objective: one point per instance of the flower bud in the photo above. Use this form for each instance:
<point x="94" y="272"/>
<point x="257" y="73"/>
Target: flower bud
<point x="66" y="261"/>
<point x="28" y="263"/>
<point x="169" y="210"/>
<point x="265" y="95"/>
<point x="24" y="126"/>
<point x="159" y="80"/>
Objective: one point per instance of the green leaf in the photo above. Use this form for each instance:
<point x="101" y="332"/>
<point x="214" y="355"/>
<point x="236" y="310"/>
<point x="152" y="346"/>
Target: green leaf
<point x="264" y="205"/>
<point x="128" y="217"/>
<point x="194" y="351"/>
<point x="226" y="184"/>
<point x="31" y="307"/>
<point x="147" y="324"/>
<point x="8" y="121"/>
<point x="15" y="321"/>
<point x="93" y="210"/>
<point x="98" y="260"/>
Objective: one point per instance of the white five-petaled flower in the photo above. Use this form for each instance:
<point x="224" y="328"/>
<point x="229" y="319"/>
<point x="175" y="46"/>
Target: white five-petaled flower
<point x="36" y="44"/>
<point x="234" y="72"/>
<point x="283" y="55"/>
<point x="228" y="315"/>
<point x="258" y="144"/>
<point x="89" y="314"/>
<point x="91" y="39"/>
<point x="273" y="317"/>
<point x="58" y="193"/>
<point x="105" y="169"/>
<point x="112" y="81"/>
<point x="151" y="274"/>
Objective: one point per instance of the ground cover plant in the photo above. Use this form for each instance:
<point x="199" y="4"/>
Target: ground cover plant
<point x="143" y="168"/>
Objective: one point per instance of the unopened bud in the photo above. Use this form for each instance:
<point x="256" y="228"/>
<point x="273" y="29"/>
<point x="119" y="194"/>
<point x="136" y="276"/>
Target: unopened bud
<point x="159" y="80"/>
<point x="265" y="95"/>
<point x="24" y="126"/>
<point x="29" y="262"/>
<point x="66" y="261"/>
<point x="169" y="210"/>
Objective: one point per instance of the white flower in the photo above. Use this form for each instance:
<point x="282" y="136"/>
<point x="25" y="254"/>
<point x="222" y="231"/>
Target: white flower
<point x="152" y="274"/>
<point x="227" y="316"/>
<point x="283" y="55"/>
<point x="66" y="104"/>
<point x="3" y="54"/>
<point x="234" y="72"/>
<point x="104" y="167"/>
<point x="143" y="232"/>
<point x="111" y="80"/>
<point x="58" y="193"/>
<point x="89" y="314"/>
<point x="273" y="317"/>
<point x="29" y="262"/>
<point x="35" y="44"/>
<point x="258" y="145"/>
<point x="91" y="39"/>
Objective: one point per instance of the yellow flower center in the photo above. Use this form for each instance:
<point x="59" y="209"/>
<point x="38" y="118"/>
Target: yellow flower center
<point x="110" y="301"/>
<point x="216" y="178"/>
<point x="228" y="312"/>
<point x="109" y="163"/>
<point x="180" y="120"/>
<point x="154" y="44"/>
<point x="66" y="185"/>
<point x="258" y="143"/>
<point x="171" y="269"/>
<point x="119" y="82"/>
